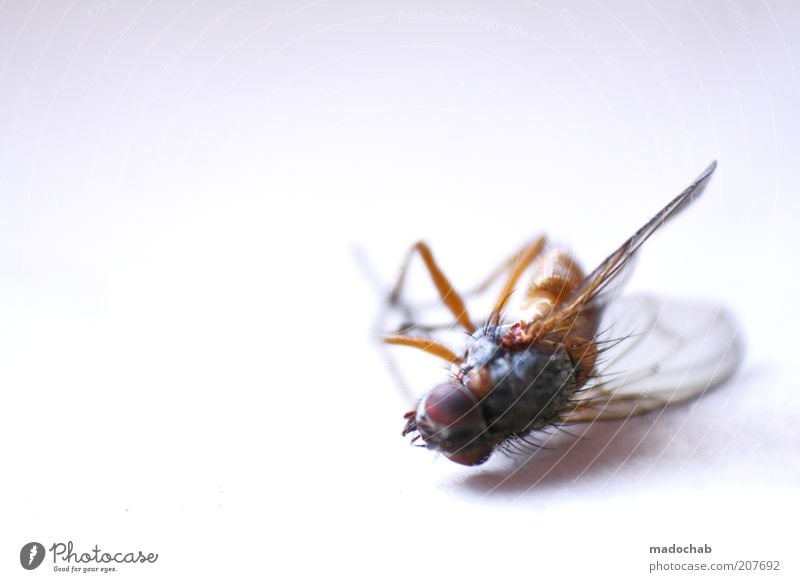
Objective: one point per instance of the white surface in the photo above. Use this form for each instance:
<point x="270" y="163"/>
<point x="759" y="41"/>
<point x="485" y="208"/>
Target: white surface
<point x="185" y="358"/>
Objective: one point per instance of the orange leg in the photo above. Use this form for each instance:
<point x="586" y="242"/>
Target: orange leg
<point x="504" y="267"/>
<point x="450" y="296"/>
<point x="518" y="264"/>
<point x="425" y="345"/>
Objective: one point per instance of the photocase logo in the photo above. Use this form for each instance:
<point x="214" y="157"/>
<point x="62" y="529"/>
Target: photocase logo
<point x="68" y="558"/>
<point x="31" y="555"/>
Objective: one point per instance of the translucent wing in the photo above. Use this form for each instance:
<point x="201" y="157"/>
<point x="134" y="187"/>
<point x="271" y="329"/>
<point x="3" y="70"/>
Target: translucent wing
<point x="590" y="293"/>
<point x="657" y="352"/>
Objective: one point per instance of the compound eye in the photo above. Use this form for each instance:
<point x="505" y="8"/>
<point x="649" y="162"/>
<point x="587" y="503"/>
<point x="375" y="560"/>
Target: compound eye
<point x="474" y="454"/>
<point x="451" y="406"/>
<point x="449" y="419"/>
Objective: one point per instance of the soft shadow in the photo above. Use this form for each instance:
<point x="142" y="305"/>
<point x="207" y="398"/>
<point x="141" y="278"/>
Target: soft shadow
<point x="595" y="450"/>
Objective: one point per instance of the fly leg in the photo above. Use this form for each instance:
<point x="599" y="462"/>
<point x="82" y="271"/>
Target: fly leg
<point x="512" y="261"/>
<point x="515" y="265"/>
<point x="449" y="295"/>
<point x="518" y="264"/>
<point x="424" y="344"/>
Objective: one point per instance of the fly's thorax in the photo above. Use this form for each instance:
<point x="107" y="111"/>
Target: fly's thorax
<point x="518" y="390"/>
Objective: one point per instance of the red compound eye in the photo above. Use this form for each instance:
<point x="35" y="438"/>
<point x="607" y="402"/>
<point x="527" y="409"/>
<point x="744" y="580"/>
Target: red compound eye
<point x="449" y="405"/>
<point x="449" y="419"/>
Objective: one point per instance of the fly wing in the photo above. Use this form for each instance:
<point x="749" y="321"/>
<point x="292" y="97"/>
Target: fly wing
<point x="593" y="291"/>
<point x="656" y="352"/>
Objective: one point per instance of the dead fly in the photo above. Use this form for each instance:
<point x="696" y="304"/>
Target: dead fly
<point x="565" y="353"/>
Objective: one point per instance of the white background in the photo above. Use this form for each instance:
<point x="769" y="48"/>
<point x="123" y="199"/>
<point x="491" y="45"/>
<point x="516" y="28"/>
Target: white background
<point x="186" y="353"/>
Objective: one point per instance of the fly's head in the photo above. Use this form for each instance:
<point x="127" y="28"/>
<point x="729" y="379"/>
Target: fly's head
<point x="449" y="419"/>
